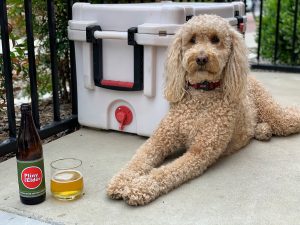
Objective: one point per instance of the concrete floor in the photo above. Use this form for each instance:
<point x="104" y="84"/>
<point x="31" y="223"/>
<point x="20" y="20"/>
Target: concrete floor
<point x="13" y="219"/>
<point x="258" y="185"/>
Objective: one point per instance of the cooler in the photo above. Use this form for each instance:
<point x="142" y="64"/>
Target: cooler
<point x="120" y="52"/>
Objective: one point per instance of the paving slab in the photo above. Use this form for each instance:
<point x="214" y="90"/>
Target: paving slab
<point x="258" y="185"/>
<point x="13" y="219"/>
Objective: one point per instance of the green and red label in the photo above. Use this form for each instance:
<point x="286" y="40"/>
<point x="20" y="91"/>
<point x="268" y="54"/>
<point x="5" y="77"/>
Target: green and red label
<point x="31" y="178"/>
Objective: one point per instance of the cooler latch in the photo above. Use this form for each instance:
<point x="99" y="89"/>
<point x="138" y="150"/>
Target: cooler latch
<point x="241" y="25"/>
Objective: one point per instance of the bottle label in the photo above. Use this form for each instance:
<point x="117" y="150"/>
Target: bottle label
<point x="31" y="178"/>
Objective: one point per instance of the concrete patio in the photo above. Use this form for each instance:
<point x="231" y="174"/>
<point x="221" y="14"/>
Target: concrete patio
<point x="258" y="185"/>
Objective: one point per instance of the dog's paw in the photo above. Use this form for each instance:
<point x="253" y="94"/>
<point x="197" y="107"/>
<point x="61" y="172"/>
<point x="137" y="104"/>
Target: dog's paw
<point x="141" y="191"/>
<point x="263" y="132"/>
<point x="114" y="191"/>
<point x="117" y="185"/>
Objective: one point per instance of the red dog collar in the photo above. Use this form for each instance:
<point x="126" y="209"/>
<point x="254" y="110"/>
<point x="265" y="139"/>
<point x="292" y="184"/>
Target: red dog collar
<point x="206" y="85"/>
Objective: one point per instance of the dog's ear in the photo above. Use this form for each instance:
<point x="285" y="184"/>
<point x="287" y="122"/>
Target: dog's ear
<point x="237" y="68"/>
<point x="174" y="71"/>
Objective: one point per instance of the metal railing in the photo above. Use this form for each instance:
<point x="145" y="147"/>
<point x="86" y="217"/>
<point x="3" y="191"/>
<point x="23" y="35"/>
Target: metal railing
<point x="273" y="64"/>
<point x="58" y="124"/>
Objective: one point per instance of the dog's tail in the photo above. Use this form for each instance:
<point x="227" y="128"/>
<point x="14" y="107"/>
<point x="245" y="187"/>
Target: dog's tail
<point x="282" y="120"/>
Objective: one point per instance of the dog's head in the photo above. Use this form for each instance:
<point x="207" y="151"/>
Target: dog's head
<point x="206" y="48"/>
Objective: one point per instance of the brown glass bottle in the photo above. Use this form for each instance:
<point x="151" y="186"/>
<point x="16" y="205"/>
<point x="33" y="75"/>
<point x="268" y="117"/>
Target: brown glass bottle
<point x="30" y="162"/>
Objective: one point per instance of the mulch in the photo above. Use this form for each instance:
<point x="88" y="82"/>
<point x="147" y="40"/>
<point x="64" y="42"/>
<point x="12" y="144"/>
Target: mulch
<point x="46" y="117"/>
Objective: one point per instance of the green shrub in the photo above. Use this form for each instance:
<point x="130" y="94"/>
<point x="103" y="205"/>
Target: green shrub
<point x="285" y="49"/>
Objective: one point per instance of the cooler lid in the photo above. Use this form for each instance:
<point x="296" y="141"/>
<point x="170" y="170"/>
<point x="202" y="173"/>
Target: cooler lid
<point x="159" y="29"/>
<point x="225" y="10"/>
<point x="239" y="7"/>
<point x="120" y="17"/>
<point x="80" y="25"/>
<point x="168" y="29"/>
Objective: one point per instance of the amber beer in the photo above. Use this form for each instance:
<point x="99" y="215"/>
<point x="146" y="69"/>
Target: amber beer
<point x="66" y="184"/>
<point x="30" y="162"/>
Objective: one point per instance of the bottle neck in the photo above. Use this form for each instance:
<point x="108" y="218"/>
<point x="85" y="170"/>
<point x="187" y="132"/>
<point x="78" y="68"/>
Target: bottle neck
<point x="26" y="120"/>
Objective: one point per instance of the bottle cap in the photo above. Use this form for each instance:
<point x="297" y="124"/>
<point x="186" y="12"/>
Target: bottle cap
<point x="25" y="107"/>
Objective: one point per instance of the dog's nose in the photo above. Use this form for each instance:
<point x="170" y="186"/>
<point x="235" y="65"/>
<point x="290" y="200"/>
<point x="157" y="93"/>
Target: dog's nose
<point x="202" y="60"/>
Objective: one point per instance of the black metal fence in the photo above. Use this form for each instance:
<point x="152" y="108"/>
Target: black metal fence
<point x="58" y="124"/>
<point x="278" y="36"/>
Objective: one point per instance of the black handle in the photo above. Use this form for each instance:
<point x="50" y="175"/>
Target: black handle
<point x="138" y="54"/>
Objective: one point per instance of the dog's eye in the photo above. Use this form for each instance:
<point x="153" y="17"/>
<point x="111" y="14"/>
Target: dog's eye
<point x="193" y="40"/>
<point x="215" y="39"/>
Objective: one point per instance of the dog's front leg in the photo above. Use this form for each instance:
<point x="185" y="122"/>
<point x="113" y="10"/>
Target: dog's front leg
<point x="207" y="148"/>
<point x="162" y="143"/>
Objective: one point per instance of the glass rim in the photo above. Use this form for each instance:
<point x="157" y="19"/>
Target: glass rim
<point x="65" y="168"/>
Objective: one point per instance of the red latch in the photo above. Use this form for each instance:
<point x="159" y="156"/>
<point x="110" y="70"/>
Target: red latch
<point x="242" y="27"/>
<point x="124" y="116"/>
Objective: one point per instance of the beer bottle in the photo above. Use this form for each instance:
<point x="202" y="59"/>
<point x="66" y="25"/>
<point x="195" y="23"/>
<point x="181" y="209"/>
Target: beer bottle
<point x="30" y="162"/>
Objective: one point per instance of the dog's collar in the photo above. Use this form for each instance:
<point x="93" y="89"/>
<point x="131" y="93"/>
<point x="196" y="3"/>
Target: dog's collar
<point x="206" y="85"/>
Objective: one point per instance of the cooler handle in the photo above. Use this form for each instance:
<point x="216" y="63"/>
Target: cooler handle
<point x="94" y="35"/>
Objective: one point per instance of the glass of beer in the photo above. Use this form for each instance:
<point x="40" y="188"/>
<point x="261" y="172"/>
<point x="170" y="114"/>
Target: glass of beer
<point x="66" y="179"/>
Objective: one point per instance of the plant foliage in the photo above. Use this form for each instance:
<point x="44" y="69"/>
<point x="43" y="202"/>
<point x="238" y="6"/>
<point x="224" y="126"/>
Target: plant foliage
<point x="285" y="50"/>
<point x="19" y="59"/>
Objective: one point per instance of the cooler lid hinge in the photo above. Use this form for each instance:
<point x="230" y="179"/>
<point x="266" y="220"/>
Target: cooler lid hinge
<point x="131" y="31"/>
<point x="90" y="30"/>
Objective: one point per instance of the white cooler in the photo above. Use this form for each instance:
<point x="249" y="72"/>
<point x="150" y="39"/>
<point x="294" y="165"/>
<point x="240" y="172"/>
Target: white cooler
<point x="120" y="52"/>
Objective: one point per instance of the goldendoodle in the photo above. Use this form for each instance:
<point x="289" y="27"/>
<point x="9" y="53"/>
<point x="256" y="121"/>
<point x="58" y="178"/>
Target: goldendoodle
<point x="215" y="110"/>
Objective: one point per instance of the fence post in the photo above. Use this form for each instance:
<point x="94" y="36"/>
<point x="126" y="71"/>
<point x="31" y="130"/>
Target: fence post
<point x="31" y="61"/>
<point x="73" y="66"/>
<point x="7" y="70"/>
<point x="259" y="31"/>
<point x="53" y="53"/>
<point x="277" y="32"/>
<point x="295" y="31"/>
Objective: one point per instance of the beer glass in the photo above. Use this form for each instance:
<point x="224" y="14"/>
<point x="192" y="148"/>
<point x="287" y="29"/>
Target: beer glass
<point x="66" y="179"/>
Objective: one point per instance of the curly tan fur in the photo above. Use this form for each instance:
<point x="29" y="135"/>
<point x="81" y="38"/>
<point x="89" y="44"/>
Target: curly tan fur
<point x="208" y="124"/>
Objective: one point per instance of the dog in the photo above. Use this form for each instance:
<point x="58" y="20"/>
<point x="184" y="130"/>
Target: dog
<point x="215" y="110"/>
